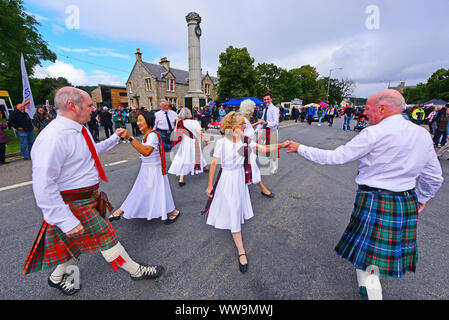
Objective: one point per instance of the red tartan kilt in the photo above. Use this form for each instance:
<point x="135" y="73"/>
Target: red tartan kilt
<point x="52" y="247"/>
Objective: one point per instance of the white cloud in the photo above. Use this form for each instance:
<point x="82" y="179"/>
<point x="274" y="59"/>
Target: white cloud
<point x="77" y="77"/>
<point x="411" y="41"/>
<point x="96" y="52"/>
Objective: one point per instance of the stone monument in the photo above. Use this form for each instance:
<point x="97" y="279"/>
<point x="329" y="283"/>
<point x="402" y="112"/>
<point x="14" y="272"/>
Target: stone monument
<point x="195" y="95"/>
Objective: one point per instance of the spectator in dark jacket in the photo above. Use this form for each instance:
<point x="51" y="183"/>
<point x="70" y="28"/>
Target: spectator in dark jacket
<point x="93" y="125"/>
<point x="21" y="121"/>
<point x="3" y="142"/>
<point x="106" y="122"/>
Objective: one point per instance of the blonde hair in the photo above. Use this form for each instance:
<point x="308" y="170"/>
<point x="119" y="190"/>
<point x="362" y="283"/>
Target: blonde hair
<point x="247" y="107"/>
<point x="229" y="121"/>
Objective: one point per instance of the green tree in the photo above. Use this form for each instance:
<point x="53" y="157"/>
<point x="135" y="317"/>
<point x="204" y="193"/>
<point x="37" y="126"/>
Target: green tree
<point x="45" y="89"/>
<point x="283" y="85"/>
<point x="338" y="89"/>
<point x="237" y="74"/>
<point x="438" y="85"/>
<point x="416" y="95"/>
<point x="19" y="34"/>
<point x="312" y="89"/>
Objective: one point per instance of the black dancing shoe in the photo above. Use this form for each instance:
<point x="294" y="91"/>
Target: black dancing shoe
<point x="243" y="267"/>
<point x="114" y="218"/>
<point x="170" y="221"/>
<point x="271" y="195"/>
<point x="149" y="272"/>
<point x="181" y="184"/>
<point x="66" y="287"/>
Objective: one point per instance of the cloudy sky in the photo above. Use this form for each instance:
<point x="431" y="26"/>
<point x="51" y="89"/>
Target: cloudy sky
<point x="375" y="41"/>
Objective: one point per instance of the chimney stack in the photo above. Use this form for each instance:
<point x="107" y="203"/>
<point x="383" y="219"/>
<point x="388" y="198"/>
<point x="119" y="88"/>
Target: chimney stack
<point x="138" y="55"/>
<point x="165" y="63"/>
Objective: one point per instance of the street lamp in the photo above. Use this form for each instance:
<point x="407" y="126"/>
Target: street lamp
<point x="329" y="80"/>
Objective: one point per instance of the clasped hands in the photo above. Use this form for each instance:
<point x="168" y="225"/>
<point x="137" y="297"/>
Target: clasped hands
<point x="123" y="133"/>
<point x="291" y="146"/>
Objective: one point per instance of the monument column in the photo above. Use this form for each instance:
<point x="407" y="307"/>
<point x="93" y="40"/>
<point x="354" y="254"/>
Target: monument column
<point x="195" y="96"/>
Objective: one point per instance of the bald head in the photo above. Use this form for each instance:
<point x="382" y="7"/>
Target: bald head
<point x="74" y="104"/>
<point x="390" y="99"/>
<point x="383" y="105"/>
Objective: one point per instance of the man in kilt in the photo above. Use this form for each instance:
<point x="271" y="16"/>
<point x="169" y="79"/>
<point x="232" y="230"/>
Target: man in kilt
<point x="165" y="123"/>
<point x="380" y="239"/>
<point x="66" y="177"/>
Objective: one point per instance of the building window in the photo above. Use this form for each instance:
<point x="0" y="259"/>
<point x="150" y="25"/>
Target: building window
<point x="171" y="85"/>
<point x="148" y="84"/>
<point x="150" y="103"/>
<point x="130" y="85"/>
<point x="207" y="89"/>
<point x="123" y="94"/>
<point x="172" y="101"/>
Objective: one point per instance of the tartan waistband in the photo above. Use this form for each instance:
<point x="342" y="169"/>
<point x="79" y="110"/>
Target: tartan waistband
<point x="81" y="190"/>
<point x="388" y="192"/>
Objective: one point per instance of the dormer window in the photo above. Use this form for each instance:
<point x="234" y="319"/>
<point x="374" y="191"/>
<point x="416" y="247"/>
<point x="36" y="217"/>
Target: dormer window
<point x="171" y="85"/>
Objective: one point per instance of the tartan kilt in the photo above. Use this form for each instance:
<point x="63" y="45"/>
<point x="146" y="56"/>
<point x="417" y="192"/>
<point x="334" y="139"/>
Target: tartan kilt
<point x="52" y="247"/>
<point x="382" y="232"/>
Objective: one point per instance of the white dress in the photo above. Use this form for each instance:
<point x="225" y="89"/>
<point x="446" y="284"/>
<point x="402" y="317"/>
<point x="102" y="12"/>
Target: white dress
<point x="251" y="133"/>
<point x="231" y="205"/>
<point x="150" y="197"/>
<point x="184" y="161"/>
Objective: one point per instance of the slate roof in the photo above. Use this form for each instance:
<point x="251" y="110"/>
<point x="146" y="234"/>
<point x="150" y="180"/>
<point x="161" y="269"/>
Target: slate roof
<point x="182" y="76"/>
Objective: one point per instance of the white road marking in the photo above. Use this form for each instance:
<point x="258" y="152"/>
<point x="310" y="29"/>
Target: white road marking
<point x="115" y="163"/>
<point x="16" y="186"/>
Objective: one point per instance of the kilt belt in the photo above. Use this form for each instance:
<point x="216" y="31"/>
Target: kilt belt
<point x="53" y="247"/>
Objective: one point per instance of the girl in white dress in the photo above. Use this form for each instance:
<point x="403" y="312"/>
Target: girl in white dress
<point x="150" y="197"/>
<point x="189" y="157"/>
<point x="247" y="109"/>
<point x="229" y="203"/>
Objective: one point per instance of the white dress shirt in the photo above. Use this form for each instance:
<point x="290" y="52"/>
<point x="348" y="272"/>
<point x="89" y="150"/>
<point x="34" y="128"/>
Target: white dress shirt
<point x="62" y="161"/>
<point x="161" y="120"/>
<point x="272" y="117"/>
<point x="392" y="155"/>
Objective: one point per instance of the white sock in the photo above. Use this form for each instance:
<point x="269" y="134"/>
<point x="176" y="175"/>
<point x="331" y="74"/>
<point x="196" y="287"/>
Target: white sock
<point x="370" y="280"/>
<point x="59" y="272"/>
<point x="117" y="251"/>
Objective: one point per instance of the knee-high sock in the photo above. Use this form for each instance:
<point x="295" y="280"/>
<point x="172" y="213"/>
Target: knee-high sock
<point x="58" y="273"/>
<point x="118" y="257"/>
<point x="371" y="282"/>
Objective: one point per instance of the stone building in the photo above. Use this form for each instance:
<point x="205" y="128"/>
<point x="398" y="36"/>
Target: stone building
<point x="148" y="83"/>
<point x="110" y="96"/>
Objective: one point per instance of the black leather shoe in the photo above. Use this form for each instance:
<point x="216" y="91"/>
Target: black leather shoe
<point x="64" y="286"/>
<point x="114" y="218"/>
<point x="271" y="195"/>
<point x="243" y="267"/>
<point x="182" y="184"/>
<point x="168" y="221"/>
<point x="149" y="272"/>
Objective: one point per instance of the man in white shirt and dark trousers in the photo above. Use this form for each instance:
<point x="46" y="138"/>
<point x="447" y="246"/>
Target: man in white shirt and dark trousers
<point x="380" y="239"/>
<point x="165" y="123"/>
<point x="269" y="128"/>
<point x="66" y="176"/>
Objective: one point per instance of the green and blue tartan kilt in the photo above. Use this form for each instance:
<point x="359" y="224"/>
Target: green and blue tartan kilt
<point x="382" y="232"/>
<point x="52" y="247"/>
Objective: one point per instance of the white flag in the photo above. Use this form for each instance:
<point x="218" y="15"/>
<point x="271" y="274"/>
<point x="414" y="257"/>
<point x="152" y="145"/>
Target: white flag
<point x="28" y="101"/>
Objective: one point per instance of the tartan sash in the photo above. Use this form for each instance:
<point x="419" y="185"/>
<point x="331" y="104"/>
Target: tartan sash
<point x="179" y="131"/>
<point x="161" y="151"/>
<point x="246" y="163"/>
<point x="209" y="201"/>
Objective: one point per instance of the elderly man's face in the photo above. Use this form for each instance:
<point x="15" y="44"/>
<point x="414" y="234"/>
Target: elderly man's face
<point x="373" y="112"/>
<point x="20" y="107"/>
<point x="164" y="105"/>
<point x="84" y="110"/>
